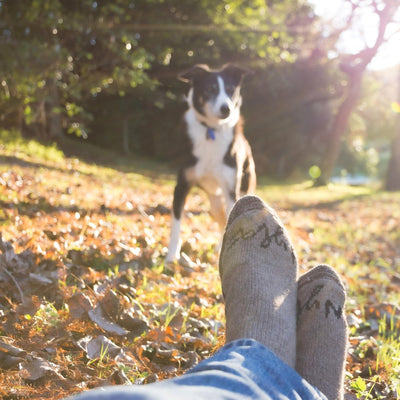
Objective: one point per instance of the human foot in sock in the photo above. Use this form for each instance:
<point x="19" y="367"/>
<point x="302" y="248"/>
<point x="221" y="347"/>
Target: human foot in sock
<point x="258" y="270"/>
<point x="321" y="330"/>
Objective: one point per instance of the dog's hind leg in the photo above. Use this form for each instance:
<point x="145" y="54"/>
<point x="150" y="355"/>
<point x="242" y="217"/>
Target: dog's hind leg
<point x="217" y="210"/>
<point x="181" y="191"/>
<point x="218" y="213"/>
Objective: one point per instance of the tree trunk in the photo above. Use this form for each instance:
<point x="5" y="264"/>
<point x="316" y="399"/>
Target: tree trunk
<point x="393" y="173"/>
<point x="339" y="126"/>
<point x="53" y="117"/>
<point x="354" y="68"/>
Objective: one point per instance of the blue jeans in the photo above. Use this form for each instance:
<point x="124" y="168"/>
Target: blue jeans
<point x="243" y="369"/>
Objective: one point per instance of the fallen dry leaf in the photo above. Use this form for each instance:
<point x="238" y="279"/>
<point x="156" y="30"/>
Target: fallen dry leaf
<point x="99" y="347"/>
<point x="98" y="316"/>
<point x="37" y="368"/>
<point x="79" y="305"/>
<point x="10" y="356"/>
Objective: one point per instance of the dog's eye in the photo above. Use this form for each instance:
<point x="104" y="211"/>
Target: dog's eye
<point x="211" y="89"/>
<point x="230" y="89"/>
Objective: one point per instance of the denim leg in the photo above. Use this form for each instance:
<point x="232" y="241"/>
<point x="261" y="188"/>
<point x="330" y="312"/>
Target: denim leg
<point x="243" y="369"/>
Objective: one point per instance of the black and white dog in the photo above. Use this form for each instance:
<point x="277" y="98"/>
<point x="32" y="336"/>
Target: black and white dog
<point x="219" y="158"/>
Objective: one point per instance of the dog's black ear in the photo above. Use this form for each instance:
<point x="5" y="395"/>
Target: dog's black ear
<point x="236" y="72"/>
<point x="192" y="73"/>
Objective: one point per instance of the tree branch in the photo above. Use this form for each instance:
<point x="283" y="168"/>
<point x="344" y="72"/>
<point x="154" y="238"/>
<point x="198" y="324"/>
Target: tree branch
<point x="359" y="61"/>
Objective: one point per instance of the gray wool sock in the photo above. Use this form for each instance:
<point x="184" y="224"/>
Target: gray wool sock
<point x="258" y="269"/>
<point x="321" y="330"/>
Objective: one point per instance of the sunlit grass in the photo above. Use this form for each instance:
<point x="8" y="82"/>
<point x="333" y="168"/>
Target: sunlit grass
<point x="12" y="144"/>
<point x="388" y="354"/>
<point x="302" y="194"/>
<point x="47" y="316"/>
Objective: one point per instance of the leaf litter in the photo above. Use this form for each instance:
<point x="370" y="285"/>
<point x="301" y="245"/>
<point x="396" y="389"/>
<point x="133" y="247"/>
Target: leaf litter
<point x="86" y="300"/>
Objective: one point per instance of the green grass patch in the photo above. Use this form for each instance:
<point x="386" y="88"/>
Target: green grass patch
<point x="304" y="194"/>
<point x="13" y="145"/>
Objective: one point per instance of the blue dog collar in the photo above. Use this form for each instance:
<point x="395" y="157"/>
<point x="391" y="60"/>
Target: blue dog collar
<point x="210" y="133"/>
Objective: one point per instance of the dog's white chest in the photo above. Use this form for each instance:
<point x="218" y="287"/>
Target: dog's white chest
<point x="209" y="153"/>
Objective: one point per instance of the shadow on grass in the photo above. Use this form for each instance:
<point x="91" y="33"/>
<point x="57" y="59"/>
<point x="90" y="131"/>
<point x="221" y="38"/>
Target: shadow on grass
<point x="297" y="196"/>
<point x="136" y="163"/>
<point x="327" y="204"/>
<point x="18" y="149"/>
<point x="38" y="205"/>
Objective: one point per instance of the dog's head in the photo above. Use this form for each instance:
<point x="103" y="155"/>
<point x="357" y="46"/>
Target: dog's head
<point x="215" y="94"/>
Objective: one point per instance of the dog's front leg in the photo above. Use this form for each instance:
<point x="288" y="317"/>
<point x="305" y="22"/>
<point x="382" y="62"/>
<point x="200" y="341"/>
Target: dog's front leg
<point x="229" y="190"/>
<point x="181" y="191"/>
<point x="220" y="208"/>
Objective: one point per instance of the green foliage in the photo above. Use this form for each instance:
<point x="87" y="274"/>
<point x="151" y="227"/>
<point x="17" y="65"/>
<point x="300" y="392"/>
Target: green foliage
<point x="357" y="158"/>
<point x="366" y="148"/>
<point x="74" y="48"/>
<point x="375" y="108"/>
<point x="71" y="61"/>
<point x="359" y="386"/>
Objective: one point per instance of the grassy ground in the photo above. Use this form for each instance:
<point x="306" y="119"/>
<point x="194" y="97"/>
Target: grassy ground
<point x="97" y="234"/>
